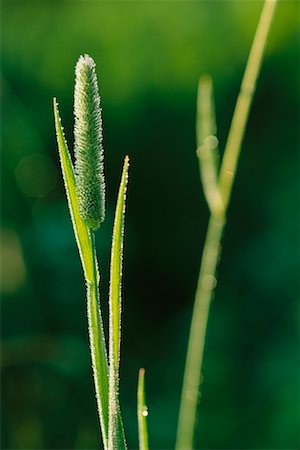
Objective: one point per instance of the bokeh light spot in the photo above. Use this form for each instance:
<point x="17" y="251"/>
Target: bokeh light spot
<point x="13" y="270"/>
<point x="36" y="175"/>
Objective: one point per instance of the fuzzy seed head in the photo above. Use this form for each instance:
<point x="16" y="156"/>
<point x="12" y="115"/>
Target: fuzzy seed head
<point x="89" y="172"/>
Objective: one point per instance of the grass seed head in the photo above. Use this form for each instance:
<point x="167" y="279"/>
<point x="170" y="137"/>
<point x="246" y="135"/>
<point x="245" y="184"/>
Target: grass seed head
<point x="89" y="172"/>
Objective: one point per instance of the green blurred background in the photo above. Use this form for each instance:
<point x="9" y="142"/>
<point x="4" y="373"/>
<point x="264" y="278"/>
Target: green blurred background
<point x="149" y="56"/>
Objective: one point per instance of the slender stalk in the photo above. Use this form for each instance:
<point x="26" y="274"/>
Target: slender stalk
<point x="99" y="358"/>
<point x="207" y="144"/>
<point x="97" y="346"/>
<point x="206" y="116"/>
<point x="212" y="247"/>
<point x="244" y="101"/>
<point x="204" y="292"/>
<point x="142" y="412"/>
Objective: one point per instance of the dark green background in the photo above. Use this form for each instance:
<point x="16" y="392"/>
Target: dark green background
<point x="149" y="56"/>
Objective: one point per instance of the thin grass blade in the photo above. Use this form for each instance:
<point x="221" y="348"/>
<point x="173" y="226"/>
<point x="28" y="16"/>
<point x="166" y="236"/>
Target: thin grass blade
<point x="116" y="437"/>
<point x="142" y="412"/>
<point x="81" y="231"/>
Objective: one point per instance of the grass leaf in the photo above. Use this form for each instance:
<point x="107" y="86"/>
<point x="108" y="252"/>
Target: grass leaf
<point x="142" y="412"/>
<point x="81" y="231"/>
<point x="116" y="437"/>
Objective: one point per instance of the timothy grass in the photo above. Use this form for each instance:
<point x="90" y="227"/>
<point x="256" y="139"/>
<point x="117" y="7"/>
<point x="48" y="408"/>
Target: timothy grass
<point x="85" y="189"/>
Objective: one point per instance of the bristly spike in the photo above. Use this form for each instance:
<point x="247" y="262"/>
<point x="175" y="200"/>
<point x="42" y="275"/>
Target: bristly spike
<point x="89" y="171"/>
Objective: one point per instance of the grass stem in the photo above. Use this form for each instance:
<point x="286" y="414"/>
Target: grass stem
<point x="207" y="144"/>
<point x="142" y="412"/>
<point x="97" y="346"/>
<point x="212" y="247"/>
<point x="244" y="101"/>
<point x="204" y="292"/>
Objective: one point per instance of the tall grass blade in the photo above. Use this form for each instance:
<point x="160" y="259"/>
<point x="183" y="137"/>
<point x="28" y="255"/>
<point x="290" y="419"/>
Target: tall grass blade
<point x="85" y="243"/>
<point x="212" y="247"/>
<point x="81" y="231"/>
<point x="142" y="412"/>
<point x="116" y="438"/>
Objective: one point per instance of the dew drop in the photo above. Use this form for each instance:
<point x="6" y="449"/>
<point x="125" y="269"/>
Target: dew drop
<point x="211" y="142"/>
<point x="209" y="282"/>
<point x="201" y="151"/>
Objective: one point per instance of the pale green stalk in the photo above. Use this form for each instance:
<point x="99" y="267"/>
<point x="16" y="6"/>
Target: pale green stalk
<point x="207" y="144"/>
<point x="244" y="101"/>
<point x="142" y="412"/>
<point x="212" y="246"/>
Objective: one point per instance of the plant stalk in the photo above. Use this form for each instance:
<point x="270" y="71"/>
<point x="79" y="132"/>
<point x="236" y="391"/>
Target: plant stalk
<point x="212" y="247"/>
<point x="204" y="292"/>
<point x="142" y="412"/>
<point x="97" y="346"/>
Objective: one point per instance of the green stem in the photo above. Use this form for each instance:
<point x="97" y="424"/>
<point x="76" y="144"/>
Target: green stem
<point x="207" y="144"/>
<point x="142" y="412"/>
<point x="203" y="297"/>
<point x="99" y="354"/>
<point x="244" y="101"/>
<point x="97" y="345"/>
<point x="212" y="247"/>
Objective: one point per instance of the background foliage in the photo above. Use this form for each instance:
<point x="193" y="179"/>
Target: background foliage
<point x="149" y="56"/>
